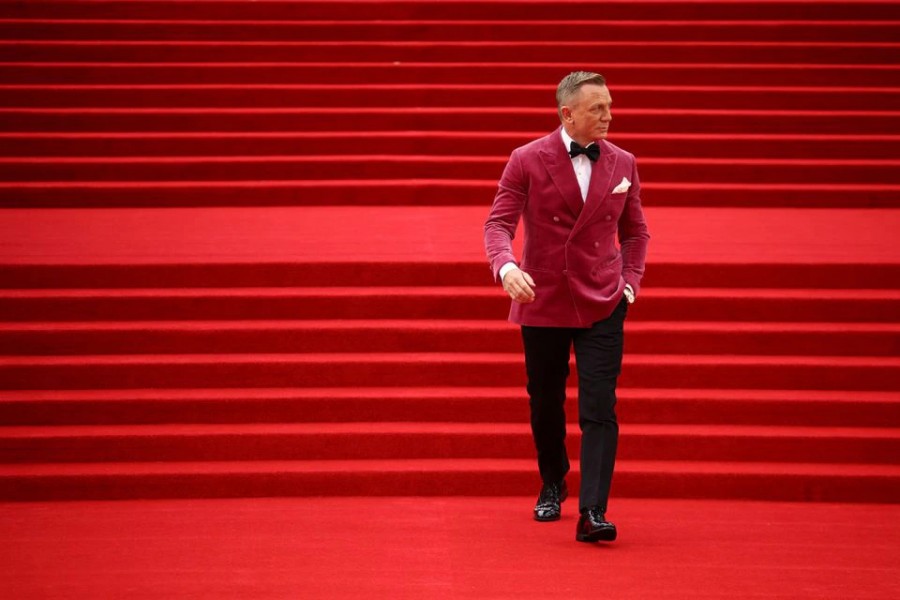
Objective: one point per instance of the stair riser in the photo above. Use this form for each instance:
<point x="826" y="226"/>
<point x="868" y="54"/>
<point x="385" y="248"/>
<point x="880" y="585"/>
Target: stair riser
<point x="832" y="413"/>
<point x="359" y="446"/>
<point x="533" y="74"/>
<point x="419" y="193"/>
<point x="485" y="168"/>
<point x="843" y="276"/>
<point x="483" y="31"/>
<point x="770" y="486"/>
<point x="441" y="52"/>
<point x="449" y="10"/>
<point x="716" y="99"/>
<point x="400" y="338"/>
<point x="437" y="144"/>
<point x="289" y="372"/>
<point x="515" y="119"/>
<point x="492" y="305"/>
<point x="429" y="51"/>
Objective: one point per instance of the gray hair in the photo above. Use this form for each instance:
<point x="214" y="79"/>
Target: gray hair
<point x="573" y="82"/>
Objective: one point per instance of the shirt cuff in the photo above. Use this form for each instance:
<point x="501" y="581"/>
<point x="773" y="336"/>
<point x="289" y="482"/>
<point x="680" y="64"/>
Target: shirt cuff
<point x="506" y="268"/>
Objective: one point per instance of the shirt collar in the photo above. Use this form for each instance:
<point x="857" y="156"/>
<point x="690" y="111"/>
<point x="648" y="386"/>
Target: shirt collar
<point x="567" y="139"/>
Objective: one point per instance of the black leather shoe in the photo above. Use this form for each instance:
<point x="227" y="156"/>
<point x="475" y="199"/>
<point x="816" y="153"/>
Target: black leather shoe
<point x="593" y="526"/>
<point x="551" y="496"/>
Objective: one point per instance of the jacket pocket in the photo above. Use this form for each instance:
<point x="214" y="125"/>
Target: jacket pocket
<point x="608" y="265"/>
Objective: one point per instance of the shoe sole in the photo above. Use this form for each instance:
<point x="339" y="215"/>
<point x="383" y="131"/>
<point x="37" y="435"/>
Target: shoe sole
<point x="603" y="535"/>
<point x="547" y="519"/>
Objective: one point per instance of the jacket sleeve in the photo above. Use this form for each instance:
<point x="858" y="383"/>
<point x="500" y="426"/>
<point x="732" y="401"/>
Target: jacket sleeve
<point x="500" y="227"/>
<point x="633" y="235"/>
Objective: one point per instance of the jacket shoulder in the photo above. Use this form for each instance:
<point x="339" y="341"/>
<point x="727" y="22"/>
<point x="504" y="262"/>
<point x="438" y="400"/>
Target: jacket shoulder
<point x="620" y="152"/>
<point x="534" y="146"/>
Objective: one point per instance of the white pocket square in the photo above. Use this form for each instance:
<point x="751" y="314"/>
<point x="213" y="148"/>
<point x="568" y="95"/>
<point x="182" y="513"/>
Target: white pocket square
<point x="622" y="187"/>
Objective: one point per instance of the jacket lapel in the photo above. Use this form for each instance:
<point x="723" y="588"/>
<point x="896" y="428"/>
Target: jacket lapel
<point x="601" y="176"/>
<point x="558" y="164"/>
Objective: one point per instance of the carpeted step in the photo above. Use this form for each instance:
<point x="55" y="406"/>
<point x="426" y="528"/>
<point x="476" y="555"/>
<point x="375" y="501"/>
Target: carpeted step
<point x="557" y="51"/>
<point x="850" y="276"/>
<point x="416" y="246"/>
<point x="628" y="120"/>
<point x="399" y="369"/>
<point x="454" y="9"/>
<point x="629" y="73"/>
<point x="417" y="192"/>
<point x="815" y="408"/>
<point x="635" y="29"/>
<point x="435" y="143"/>
<point x="63" y="93"/>
<point x="449" y="302"/>
<point x="401" y="441"/>
<point x="474" y="302"/>
<point x="651" y="479"/>
<point x="396" y="167"/>
<point x="441" y="335"/>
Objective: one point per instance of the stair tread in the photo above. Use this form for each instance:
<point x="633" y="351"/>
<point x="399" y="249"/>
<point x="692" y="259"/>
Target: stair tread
<point x="438" y="110"/>
<point x="431" y="428"/>
<point x="436" y="325"/>
<point x="453" y="135"/>
<point x="418" y="158"/>
<point x="681" y="23"/>
<point x="399" y="86"/>
<point x="392" y="11"/>
<point x="455" y="43"/>
<point x="458" y="63"/>
<point x="442" y="235"/>
<point x="450" y="393"/>
<point x="131" y="469"/>
<point x="412" y="182"/>
<point x="486" y="291"/>
<point x="441" y="357"/>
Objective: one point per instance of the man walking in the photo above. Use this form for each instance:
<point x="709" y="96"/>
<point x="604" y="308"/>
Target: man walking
<point x="575" y="193"/>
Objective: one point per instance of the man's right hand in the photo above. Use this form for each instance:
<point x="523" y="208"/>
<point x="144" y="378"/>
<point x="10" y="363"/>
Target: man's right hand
<point x="519" y="285"/>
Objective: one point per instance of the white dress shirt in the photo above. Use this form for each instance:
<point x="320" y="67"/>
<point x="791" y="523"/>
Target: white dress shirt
<point x="582" y="165"/>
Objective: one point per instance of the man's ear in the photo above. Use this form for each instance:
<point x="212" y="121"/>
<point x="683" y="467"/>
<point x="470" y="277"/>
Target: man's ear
<point x="566" y="113"/>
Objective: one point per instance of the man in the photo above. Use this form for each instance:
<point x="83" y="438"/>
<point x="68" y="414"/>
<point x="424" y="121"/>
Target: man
<point x="575" y="192"/>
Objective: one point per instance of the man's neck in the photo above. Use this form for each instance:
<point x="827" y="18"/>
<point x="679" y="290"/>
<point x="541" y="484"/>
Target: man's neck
<point x="568" y="136"/>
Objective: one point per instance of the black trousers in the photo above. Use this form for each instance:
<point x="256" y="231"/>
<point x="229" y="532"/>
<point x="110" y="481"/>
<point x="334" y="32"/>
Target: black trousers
<point x="598" y="358"/>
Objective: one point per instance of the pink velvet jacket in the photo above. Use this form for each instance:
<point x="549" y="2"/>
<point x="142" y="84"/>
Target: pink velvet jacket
<point x="570" y="245"/>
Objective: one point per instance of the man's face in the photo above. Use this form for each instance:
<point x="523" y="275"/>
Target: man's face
<point x="587" y="115"/>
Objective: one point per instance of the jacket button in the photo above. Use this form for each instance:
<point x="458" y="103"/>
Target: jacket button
<point x="565" y="272"/>
<point x="608" y="217"/>
<point x="596" y="244"/>
<point x="556" y="219"/>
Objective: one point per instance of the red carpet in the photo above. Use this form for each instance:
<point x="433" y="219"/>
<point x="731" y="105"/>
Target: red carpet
<point x="240" y="258"/>
<point x="204" y="293"/>
<point x="444" y="548"/>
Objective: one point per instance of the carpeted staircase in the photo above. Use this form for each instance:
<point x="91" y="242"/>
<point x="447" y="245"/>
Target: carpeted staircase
<point x="241" y="250"/>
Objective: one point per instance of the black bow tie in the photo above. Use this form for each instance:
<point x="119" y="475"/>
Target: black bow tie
<point x="592" y="151"/>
